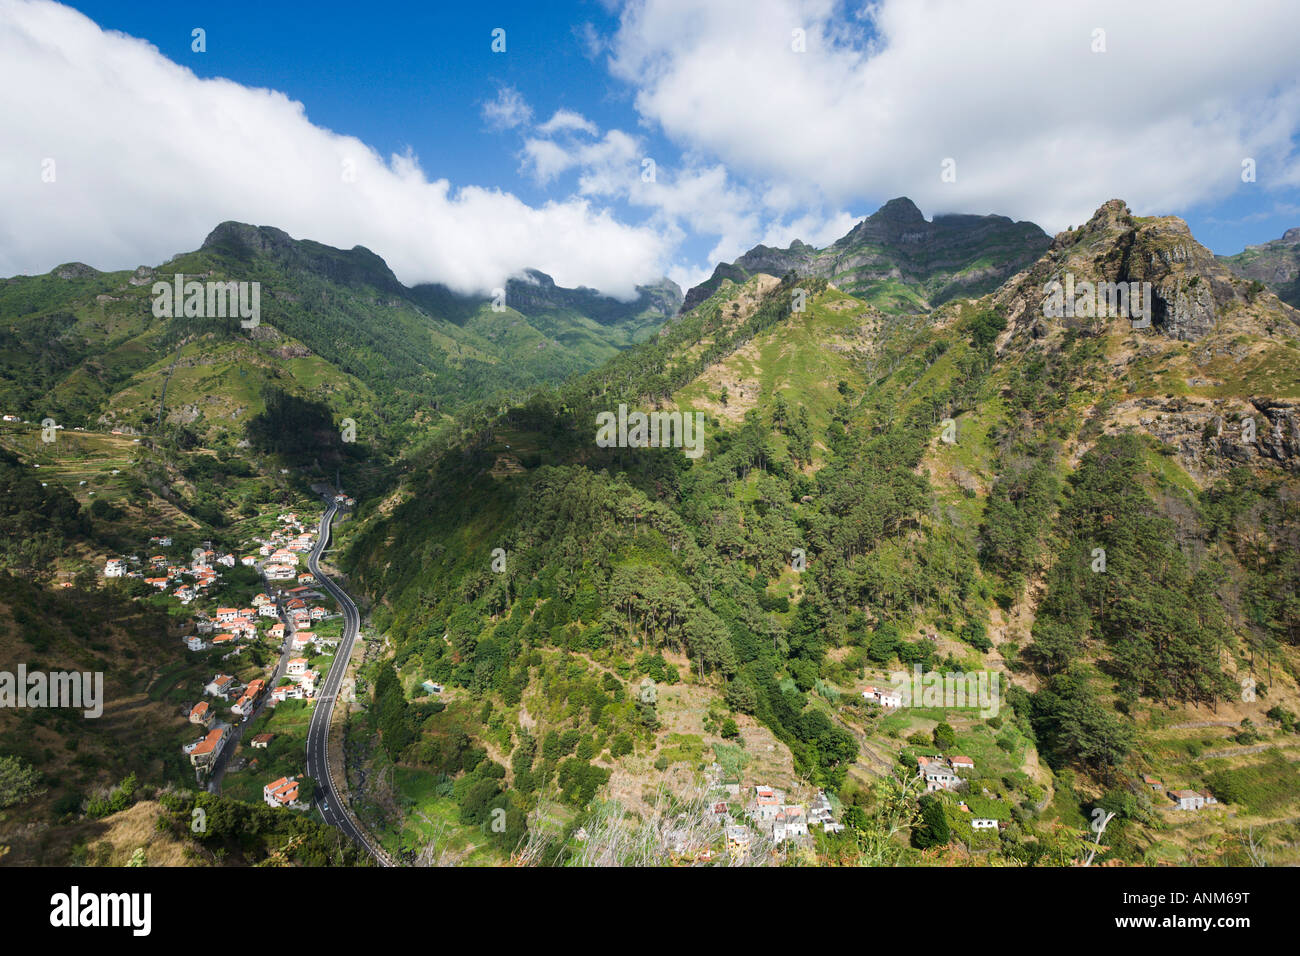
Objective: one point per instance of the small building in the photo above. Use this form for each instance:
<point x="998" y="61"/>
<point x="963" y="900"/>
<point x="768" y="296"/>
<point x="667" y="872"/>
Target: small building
<point x="961" y="763"/>
<point x="1155" y="783"/>
<point x="738" y="838"/>
<point x="203" y="752"/>
<point x="281" y="793"/>
<point x="885" y="697"/>
<point x="261" y="741"/>
<point x="789" y="824"/>
<point x="1188" y="799"/>
<point x="220" y="686"/>
<point x="201" y="713"/>
<point x="939" y="777"/>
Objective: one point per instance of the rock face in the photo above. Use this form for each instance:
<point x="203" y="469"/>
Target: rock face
<point x="536" y="292"/>
<point x="935" y="260"/>
<point x="1275" y="263"/>
<point x="531" y="293"/>
<point x="353" y="267"/>
<point x="1190" y="289"/>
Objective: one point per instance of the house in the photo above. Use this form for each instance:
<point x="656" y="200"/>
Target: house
<point x="220" y="686"/>
<point x="1154" y="783"/>
<point x="983" y="823"/>
<point x="297" y="667"/>
<point x="228" y="560"/>
<point x="260" y="599"/>
<point x="227" y="614"/>
<point x="261" y="741"/>
<point x="819" y="811"/>
<point x="738" y="840"/>
<point x="115" y="568"/>
<point x="242" y="626"/>
<point x="203" y="752"/>
<point x="159" y="583"/>
<point x="195" y="643"/>
<point x="883" y="696"/>
<point x="306" y="578"/>
<point x="287" y="692"/>
<point x="281" y="793"/>
<point x="938" y="776"/>
<point x="268" y="610"/>
<point x="309" y="681"/>
<point x="318" y="613"/>
<point x="248" y="560"/>
<point x="201" y="713"/>
<point x="222" y="640"/>
<point x="301" y="639"/>
<point x="961" y="763"/>
<point x="431" y="688"/>
<point x="789" y="824"/>
<point x="766" y="805"/>
<point x="1188" y="799"/>
<point x="247" y="703"/>
<point x="275" y="631"/>
<point x="278" y="572"/>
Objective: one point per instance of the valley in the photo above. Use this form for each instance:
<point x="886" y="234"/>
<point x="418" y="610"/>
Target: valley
<point x="544" y="648"/>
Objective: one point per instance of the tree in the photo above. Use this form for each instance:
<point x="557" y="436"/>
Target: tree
<point x="17" y="781"/>
<point x="741" y="696"/>
<point x="944" y="736"/>
<point x="933" y="829"/>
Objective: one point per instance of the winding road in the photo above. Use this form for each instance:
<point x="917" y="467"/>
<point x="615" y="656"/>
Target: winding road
<point x="328" y="798"/>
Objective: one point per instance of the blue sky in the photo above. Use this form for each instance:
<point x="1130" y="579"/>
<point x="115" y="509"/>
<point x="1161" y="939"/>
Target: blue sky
<point x="752" y="139"/>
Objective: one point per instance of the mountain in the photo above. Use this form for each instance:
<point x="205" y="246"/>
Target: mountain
<point x="336" y="327"/>
<point x="898" y="260"/>
<point x="1100" y="515"/>
<point x="1276" y="264"/>
<point x="580" y="643"/>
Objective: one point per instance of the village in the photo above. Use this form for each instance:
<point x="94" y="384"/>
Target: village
<point x="281" y="641"/>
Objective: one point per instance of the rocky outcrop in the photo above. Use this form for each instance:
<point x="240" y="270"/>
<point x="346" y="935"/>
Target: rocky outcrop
<point x="938" y="260"/>
<point x="1190" y="289"/>
<point x="1274" y="264"/>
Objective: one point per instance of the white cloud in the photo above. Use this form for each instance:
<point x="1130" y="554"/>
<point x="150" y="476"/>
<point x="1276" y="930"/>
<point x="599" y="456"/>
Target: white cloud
<point x="508" y="110"/>
<point x="567" y="121"/>
<point x="1040" y="126"/>
<point x="148" y="158"/>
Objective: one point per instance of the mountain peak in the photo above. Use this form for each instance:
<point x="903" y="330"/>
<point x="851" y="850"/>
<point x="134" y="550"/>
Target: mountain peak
<point x="899" y="210"/>
<point x="898" y="259"/>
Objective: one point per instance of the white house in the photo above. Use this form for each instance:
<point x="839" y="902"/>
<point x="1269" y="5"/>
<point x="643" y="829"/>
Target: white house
<point x="281" y="793"/>
<point x="220" y="686"/>
<point x="983" y="823"/>
<point x="1192" y="799"/>
<point x="115" y="568"/>
<point x="791" y="822"/>
<point x="883" y="696"/>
